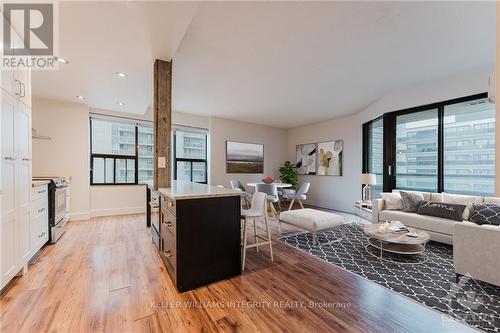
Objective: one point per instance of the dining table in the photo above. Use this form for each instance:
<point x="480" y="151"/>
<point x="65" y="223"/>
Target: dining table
<point x="278" y="185"/>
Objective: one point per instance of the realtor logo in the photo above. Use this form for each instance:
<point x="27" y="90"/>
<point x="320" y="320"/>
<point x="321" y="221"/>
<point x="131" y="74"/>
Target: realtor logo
<point x="29" y="35"/>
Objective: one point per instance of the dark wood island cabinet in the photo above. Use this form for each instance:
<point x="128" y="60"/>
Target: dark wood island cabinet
<point x="199" y="233"/>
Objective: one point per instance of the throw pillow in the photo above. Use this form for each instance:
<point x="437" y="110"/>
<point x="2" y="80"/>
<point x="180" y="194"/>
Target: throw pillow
<point x="467" y="200"/>
<point x="486" y="213"/>
<point x="411" y="201"/>
<point x="392" y="201"/>
<point x="442" y="209"/>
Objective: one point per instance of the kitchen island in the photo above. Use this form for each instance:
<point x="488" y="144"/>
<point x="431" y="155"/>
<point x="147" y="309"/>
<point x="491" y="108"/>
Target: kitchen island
<point x="199" y="233"/>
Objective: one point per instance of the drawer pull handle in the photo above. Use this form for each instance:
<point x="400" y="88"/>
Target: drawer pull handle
<point x="168" y="223"/>
<point x="167" y="253"/>
<point x="41" y="191"/>
<point x="41" y="210"/>
<point x="9" y="158"/>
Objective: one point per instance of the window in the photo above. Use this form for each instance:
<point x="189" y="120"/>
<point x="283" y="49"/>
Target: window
<point x="417" y="152"/>
<point x="474" y="154"/>
<point x="190" y="155"/>
<point x="443" y="147"/>
<point x="375" y="160"/>
<point x="121" y="152"/>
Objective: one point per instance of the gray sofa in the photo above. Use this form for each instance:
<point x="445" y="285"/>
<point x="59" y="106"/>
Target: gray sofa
<point x="476" y="248"/>
<point x="440" y="229"/>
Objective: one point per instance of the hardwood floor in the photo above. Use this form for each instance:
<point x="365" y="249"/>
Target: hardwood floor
<point x="104" y="275"/>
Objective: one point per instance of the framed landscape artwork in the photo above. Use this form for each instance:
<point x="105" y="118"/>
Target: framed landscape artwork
<point x="244" y="157"/>
<point x="330" y="158"/>
<point x="306" y="159"/>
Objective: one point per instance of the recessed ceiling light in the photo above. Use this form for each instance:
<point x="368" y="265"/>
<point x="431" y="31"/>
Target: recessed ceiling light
<point x="64" y="61"/>
<point x="80" y="97"/>
<point x="120" y="103"/>
<point x="121" y="74"/>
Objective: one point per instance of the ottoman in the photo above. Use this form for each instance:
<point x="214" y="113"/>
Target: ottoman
<point x="311" y="220"/>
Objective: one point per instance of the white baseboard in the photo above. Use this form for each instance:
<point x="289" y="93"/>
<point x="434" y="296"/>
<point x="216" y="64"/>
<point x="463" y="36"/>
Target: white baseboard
<point x="79" y="216"/>
<point x="117" y="211"/>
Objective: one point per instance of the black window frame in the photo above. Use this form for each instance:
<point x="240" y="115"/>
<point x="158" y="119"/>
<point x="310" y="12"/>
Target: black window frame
<point x="190" y="160"/>
<point x="389" y="152"/>
<point x="115" y="157"/>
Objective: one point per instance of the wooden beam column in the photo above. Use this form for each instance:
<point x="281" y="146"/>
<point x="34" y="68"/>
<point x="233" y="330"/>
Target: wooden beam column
<point x="162" y="117"/>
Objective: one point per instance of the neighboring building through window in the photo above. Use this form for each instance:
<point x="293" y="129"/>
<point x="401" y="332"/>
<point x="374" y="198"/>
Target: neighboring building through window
<point x="469" y="154"/>
<point x="190" y="155"/>
<point x="375" y="161"/>
<point x="121" y="152"/>
<point x="444" y="147"/>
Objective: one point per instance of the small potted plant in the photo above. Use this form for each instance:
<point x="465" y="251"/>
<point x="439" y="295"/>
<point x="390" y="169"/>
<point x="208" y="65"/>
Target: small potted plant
<point x="288" y="174"/>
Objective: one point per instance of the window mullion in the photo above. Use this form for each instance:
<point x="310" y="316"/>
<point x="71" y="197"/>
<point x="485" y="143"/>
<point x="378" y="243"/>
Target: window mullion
<point x="440" y="148"/>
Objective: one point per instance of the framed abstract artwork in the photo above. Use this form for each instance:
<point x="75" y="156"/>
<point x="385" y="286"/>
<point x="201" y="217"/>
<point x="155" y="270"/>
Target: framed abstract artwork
<point x="306" y="159"/>
<point x="244" y="157"/>
<point x="329" y="158"/>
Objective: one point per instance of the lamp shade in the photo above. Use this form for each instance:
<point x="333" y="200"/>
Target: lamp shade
<point x="368" y="179"/>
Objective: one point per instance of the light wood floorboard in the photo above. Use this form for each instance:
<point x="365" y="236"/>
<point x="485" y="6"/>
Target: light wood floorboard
<point x="104" y="275"/>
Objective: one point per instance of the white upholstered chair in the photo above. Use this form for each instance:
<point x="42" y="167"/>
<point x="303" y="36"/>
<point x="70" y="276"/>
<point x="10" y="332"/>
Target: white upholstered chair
<point x="272" y="196"/>
<point x="298" y="195"/>
<point x="247" y="197"/>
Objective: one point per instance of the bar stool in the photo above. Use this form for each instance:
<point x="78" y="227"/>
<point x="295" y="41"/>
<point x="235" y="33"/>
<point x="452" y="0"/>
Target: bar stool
<point x="258" y="209"/>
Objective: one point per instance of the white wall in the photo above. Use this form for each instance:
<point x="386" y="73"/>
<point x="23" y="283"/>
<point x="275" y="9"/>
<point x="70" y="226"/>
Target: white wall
<point x="191" y="120"/>
<point x="221" y="130"/>
<point x="497" y="124"/>
<point x="340" y="192"/>
<point x="67" y="153"/>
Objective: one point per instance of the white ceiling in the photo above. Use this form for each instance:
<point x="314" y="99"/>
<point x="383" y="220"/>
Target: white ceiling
<point x="102" y="38"/>
<point x="283" y="64"/>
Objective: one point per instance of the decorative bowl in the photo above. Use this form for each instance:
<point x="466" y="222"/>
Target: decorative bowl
<point x="267" y="180"/>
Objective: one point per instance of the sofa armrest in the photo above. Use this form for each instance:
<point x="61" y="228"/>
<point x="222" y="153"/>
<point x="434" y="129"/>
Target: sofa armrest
<point x="475" y="251"/>
<point x="377" y="206"/>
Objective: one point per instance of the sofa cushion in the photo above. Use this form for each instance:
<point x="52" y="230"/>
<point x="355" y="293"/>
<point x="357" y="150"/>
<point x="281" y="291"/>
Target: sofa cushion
<point x="468" y="200"/>
<point x="426" y="195"/>
<point x="438" y="197"/>
<point x="411" y="201"/>
<point x="392" y="201"/>
<point x="492" y="200"/>
<point x="425" y="222"/>
<point x="442" y="209"/>
<point x="486" y="213"/>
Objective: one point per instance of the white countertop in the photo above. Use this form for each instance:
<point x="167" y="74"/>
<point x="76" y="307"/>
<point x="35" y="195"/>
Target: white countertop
<point x="188" y="190"/>
<point x="35" y="183"/>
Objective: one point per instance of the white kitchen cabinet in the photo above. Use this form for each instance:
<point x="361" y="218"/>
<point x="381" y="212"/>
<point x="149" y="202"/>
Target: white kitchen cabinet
<point x="15" y="181"/>
<point x="7" y="82"/>
<point x="22" y="82"/>
<point x="39" y="219"/>
<point x="17" y="83"/>
<point x="10" y="257"/>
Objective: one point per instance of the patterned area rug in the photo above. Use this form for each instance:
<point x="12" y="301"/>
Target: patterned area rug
<point x="431" y="281"/>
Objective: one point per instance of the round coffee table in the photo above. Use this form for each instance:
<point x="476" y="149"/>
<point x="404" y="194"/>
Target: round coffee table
<point x="394" y="242"/>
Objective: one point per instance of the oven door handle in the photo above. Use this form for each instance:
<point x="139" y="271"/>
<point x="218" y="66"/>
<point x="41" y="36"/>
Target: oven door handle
<point x="62" y="222"/>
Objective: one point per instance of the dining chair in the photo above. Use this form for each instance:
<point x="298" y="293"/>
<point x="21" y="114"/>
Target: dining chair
<point x="272" y="196"/>
<point x="299" y="194"/>
<point x="280" y="192"/>
<point x="236" y="185"/>
<point x="257" y="210"/>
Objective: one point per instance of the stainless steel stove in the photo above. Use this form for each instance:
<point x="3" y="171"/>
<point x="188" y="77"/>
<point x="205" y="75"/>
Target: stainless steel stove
<point x="58" y="206"/>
